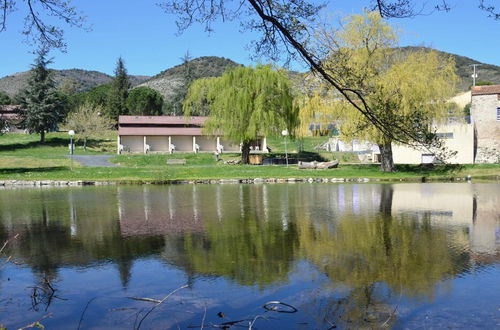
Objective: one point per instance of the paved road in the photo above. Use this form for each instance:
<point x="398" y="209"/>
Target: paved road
<point x="94" y="160"/>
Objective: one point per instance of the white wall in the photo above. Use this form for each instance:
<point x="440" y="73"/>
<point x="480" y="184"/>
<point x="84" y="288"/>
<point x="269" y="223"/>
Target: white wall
<point x="182" y="143"/>
<point x="157" y="143"/>
<point x="132" y="143"/>
<point x="230" y="146"/>
<point x="462" y="142"/>
<point x="207" y="143"/>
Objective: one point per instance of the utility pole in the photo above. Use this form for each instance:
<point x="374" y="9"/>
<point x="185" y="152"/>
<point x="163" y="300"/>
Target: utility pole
<point x="474" y="75"/>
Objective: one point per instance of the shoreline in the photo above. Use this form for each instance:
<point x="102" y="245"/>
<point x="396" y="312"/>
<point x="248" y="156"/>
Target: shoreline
<point x="75" y="183"/>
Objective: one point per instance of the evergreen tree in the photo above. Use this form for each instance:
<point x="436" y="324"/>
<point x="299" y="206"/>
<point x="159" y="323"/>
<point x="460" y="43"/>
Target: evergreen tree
<point x="4" y="98"/>
<point x="43" y="105"/>
<point x="144" y="101"/>
<point x="119" y="92"/>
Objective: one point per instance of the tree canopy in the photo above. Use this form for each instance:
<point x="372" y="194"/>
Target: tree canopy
<point x="144" y="101"/>
<point x="245" y="103"/>
<point x="43" y="105"/>
<point x="118" y="92"/>
<point x="407" y="91"/>
<point x="88" y="120"/>
<point x="4" y="98"/>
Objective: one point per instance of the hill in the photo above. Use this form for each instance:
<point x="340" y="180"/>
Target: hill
<point x="485" y="72"/>
<point x="83" y="80"/>
<point x="172" y="82"/>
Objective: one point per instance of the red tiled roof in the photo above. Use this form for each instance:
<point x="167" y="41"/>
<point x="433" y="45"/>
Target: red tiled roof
<point x="486" y="90"/>
<point x="165" y="120"/>
<point x="196" y="131"/>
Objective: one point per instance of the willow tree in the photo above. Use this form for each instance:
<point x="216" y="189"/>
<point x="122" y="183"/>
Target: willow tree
<point x="245" y="103"/>
<point x="406" y="92"/>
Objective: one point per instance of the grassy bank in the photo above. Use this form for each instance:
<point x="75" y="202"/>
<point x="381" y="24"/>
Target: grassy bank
<point x="23" y="158"/>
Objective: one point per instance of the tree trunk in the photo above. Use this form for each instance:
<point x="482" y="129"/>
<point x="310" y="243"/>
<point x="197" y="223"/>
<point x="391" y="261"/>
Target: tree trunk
<point x="245" y="153"/>
<point x="386" y="161"/>
<point x="85" y="144"/>
<point x="42" y="136"/>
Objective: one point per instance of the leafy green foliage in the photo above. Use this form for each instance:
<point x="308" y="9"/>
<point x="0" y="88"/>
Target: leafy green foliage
<point x="4" y="98"/>
<point x="144" y="101"/>
<point x="405" y="92"/>
<point x="245" y="103"/>
<point x="87" y="121"/>
<point x="44" y="106"/>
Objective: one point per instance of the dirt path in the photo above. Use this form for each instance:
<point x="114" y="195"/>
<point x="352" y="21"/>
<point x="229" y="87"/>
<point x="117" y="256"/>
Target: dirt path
<point x="94" y="160"/>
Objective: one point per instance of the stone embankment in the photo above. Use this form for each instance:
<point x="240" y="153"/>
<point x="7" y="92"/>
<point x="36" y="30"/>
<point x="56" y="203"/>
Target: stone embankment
<point x="54" y="183"/>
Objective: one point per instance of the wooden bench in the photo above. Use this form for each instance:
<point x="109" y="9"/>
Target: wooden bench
<point x="173" y="161"/>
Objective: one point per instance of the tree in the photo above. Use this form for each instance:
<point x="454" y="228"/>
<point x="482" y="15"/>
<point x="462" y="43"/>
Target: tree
<point x="174" y="105"/>
<point x="407" y="91"/>
<point x="39" y="27"/>
<point x="144" y="101"/>
<point x="119" y="92"/>
<point x="43" y="105"/>
<point x="87" y="121"/>
<point x="245" y="103"/>
<point x="4" y="98"/>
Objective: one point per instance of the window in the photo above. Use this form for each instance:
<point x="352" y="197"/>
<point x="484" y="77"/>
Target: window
<point x="498" y="113"/>
<point x="445" y="135"/>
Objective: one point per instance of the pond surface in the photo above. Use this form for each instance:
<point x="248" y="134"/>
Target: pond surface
<point x="337" y="255"/>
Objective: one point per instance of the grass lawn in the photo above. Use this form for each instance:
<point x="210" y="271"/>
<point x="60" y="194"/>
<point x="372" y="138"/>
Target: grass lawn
<point x="22" y="157"/>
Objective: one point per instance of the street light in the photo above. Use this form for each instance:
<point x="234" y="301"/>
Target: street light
<point x="285" y="134"/>
<point x="71" y="134"/>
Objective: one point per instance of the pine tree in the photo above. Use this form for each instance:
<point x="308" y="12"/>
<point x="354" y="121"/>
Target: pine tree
<point x="43" y="106"/>
<point x="119" y="92"/>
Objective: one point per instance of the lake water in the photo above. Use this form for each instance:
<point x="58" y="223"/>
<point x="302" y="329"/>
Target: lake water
<point x="336" y="255"/>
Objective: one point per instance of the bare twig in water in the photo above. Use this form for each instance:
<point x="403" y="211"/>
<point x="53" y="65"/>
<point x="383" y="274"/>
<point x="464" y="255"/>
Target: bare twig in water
<point x="3" y="247"/>
<point x="84" y="310"/>
<point x="395" y="308"/>
<point x="204" y="315"/>
<point x="145" y="299"/>
<point x="7" y="242"/>
<point x="36" y="323"/>
<point x="158" y="304"/>
<point x="255" y="319"/>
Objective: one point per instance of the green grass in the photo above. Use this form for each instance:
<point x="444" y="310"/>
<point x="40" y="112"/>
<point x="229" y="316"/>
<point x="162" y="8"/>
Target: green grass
<point x="22" y="157"/>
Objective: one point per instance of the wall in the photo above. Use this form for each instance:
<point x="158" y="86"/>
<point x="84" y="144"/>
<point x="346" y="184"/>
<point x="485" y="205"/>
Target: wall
<point x="183" y="143"/>
<point x="206" y="143"/>
<point x="230" y="146"/>
<point x="132" y="143"/>
<point x="483" y="111"/>
<point x="157" y="143"/>
<point x="462" y="142"/>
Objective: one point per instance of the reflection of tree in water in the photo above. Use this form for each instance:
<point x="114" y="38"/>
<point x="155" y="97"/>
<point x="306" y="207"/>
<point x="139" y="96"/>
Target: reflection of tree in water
<point x="401" y="254"/>
<point x="70" y="228"/>
<point x="245" y="248"/>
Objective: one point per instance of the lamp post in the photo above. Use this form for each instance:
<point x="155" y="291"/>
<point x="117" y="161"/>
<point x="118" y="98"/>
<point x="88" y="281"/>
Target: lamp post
<point x="285" y="134"/>
<point x="71" y="134"/>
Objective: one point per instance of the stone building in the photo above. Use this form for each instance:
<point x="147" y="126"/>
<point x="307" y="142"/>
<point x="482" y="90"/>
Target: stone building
<point x="485" y="113"/>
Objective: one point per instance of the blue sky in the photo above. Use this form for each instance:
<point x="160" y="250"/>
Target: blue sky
<point x="145" y="37"/>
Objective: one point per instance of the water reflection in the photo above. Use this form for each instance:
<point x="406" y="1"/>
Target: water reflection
<point x="375" y="246"/>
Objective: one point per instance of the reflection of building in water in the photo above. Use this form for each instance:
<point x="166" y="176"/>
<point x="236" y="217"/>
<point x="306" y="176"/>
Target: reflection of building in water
<point x="474" y="207"/>
<point x="446" y="203"/>
<point x="149" y="210"/>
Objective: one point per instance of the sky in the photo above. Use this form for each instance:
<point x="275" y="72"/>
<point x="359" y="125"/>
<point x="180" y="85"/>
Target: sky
<point x="147" y="39"/>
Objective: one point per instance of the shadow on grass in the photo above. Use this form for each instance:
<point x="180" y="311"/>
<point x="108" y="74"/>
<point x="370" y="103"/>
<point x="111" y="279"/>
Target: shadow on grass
<point x="21" y="170"/>
<point x="50" y="142"/>
<point x="307" y="156"/>
<point x="430" y="168"/>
